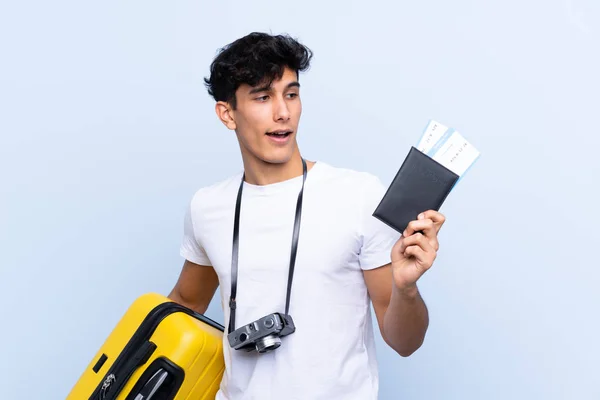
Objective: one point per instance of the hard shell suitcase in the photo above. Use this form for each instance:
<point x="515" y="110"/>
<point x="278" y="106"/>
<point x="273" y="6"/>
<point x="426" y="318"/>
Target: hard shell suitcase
<point x="159" y="350"/>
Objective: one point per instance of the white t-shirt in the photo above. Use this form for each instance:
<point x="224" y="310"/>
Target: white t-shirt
<point x="331" y="355"/>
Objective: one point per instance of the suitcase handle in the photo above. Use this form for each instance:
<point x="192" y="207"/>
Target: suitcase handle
<point x="152" y="386"/>
<point x="139" y="358"/>
<point x="119" y="373"/>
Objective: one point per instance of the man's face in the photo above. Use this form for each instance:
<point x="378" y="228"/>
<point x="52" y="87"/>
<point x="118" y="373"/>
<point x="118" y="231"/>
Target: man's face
<point x="266" y="119"/>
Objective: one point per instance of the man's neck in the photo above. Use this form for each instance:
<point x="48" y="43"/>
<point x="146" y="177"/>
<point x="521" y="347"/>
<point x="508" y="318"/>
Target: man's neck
<point x="261" y="173"/>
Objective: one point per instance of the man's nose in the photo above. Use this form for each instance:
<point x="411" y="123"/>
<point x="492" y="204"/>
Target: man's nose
<point x="281" y="111"/>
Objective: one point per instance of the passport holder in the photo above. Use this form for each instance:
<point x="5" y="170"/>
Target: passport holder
<point x="420" y="184"/>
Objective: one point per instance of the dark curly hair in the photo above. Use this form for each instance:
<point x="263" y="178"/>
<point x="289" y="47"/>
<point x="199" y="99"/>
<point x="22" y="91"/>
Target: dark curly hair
<point x="257" y="58"/>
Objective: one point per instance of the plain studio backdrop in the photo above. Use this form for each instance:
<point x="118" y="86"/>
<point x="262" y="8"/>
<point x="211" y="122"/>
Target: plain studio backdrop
<point x="106" y="131"/>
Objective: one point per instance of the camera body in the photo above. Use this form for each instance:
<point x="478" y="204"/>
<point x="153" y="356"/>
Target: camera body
<point x="262" y="335"/>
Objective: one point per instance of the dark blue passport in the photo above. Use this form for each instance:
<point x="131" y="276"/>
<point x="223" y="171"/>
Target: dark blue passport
<point x="420" y="184"/>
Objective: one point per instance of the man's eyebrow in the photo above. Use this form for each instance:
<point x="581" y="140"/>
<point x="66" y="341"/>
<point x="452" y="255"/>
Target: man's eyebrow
<point x="266" y="88"/>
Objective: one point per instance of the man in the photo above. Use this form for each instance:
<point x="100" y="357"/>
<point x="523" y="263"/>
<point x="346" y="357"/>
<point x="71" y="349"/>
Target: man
<point x="345" y="257"/>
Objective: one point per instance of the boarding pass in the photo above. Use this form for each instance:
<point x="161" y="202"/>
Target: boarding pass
<point x="448" y="147"/>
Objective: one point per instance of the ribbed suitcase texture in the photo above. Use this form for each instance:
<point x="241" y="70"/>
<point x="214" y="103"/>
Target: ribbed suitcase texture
<point x="159" y="350"/>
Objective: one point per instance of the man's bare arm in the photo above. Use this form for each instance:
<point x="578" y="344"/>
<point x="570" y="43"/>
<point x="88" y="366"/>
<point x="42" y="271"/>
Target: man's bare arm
<point x="401" y="315"/>
<point x="401" y="312"/>
<point x="195" y="287"/>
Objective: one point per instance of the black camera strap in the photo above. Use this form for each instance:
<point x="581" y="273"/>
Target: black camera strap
<point x="235" y="250"/>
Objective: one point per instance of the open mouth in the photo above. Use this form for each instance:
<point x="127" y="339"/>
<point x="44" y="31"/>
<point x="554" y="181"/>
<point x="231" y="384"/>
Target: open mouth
<point x="279" y="134"/>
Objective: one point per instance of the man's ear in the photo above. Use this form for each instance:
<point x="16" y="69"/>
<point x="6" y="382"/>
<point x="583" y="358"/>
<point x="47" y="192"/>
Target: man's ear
<point x="225" y="114"/>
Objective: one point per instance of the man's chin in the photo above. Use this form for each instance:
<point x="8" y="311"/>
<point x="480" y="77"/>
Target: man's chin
<point x="278" y="157"/>
<point x="271" y="155"/>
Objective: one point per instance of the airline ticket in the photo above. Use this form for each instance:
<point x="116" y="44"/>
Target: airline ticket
<point x="448" y="147"/>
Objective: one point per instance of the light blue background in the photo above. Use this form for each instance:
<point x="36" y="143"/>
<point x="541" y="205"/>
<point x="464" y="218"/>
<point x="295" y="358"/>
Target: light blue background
<point x="106" y="131"/>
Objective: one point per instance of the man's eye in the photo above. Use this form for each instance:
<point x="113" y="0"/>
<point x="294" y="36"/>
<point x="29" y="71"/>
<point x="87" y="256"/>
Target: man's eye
<point x="292" y="95"/>
<point x="262" y="98"/>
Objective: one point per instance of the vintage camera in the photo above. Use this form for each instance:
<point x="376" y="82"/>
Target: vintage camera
<point x="262" y="335"/>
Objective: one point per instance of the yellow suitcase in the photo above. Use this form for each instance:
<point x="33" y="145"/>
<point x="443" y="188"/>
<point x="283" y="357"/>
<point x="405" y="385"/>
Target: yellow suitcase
<point x="159" y="350"/>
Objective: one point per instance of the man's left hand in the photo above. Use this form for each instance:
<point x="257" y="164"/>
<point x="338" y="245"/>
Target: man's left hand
<point x="416" y="250"/>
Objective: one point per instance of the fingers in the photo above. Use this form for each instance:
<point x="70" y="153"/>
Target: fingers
<point x="437" y="218"/>
<point x="416" y="239"/>
<point x="429" y="223"/>
<point x="419" y="247"/>
<point x="426" y="226"/>
<point x="418" y="253"/>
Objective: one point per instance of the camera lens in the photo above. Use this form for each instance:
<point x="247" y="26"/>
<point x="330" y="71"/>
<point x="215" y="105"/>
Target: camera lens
<point x="268" y="343"/>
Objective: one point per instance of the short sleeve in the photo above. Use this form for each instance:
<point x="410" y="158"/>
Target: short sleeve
<point x="377" y="237"/>
<point x="190" y="248"/>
